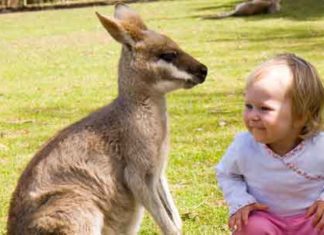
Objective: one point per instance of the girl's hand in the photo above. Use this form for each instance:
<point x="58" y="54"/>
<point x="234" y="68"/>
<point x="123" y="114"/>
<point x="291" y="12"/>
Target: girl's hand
<point x="317" y="209"/>
<point x="240" y="218"/>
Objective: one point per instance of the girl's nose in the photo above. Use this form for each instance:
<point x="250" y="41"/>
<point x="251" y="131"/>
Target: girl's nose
<point x="254" y="115"/>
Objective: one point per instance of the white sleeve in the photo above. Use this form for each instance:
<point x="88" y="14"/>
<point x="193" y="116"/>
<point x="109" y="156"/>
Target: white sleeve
<point x="321" y="197"/>
<point x="231" y="180"/>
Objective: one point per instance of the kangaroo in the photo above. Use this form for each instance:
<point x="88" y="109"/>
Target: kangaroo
<point x="253" y="7"/>
<point x="97" y="175"/>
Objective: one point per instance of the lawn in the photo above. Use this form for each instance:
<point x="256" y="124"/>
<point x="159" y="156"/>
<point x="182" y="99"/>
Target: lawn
<point x="58" y="66"/>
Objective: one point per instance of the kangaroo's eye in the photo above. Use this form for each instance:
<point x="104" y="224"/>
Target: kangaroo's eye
<point x="168" y="56"/>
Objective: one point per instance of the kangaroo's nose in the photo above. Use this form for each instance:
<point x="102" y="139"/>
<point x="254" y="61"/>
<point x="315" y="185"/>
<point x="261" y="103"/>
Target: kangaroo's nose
<point x="202" y="73"/>
<point x="203" y="70"/>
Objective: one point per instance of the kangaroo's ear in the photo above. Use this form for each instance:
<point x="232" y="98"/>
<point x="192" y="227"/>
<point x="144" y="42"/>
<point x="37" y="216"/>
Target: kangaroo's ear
<point x="129" y="16"/>
<point x="116" y="30"/>
<point x="125" y="27"/>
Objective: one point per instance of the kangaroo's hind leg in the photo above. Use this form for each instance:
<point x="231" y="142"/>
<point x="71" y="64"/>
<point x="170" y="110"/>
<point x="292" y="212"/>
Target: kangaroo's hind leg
<point x="144" y="189"/>
<point x="126" y="222"/>
<point x="67" y="215"/>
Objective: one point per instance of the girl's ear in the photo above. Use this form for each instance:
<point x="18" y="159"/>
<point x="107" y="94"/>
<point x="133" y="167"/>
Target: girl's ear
<point x="301" y="121"/>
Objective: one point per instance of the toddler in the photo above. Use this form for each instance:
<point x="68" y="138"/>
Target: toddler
<point x="272" y="176"/>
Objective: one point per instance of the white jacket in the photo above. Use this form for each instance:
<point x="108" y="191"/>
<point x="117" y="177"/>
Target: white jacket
<point x="250" y="172"/>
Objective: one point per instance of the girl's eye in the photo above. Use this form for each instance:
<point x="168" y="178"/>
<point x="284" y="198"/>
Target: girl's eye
<point x="168" y="56"/>
<point x="263" y="108"/>
<point x="248" y="106"/>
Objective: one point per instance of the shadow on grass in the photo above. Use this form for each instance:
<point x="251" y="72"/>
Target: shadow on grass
<point x="214" y="7"/>
<point x="303" y="9"/>
<point x="299" y="36"/>
<point x="278" y="34"/>
<point x="293" y="9"/>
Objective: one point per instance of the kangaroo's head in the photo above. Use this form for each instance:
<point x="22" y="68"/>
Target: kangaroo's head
<point x="150" y="60"/>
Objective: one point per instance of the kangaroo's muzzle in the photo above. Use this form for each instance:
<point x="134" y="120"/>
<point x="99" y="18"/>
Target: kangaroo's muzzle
<point x="202" y="73"/>
<point x="199" y="75"/>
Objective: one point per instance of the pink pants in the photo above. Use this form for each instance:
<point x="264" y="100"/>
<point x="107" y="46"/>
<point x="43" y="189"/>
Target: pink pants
<point x="264" y="223"/>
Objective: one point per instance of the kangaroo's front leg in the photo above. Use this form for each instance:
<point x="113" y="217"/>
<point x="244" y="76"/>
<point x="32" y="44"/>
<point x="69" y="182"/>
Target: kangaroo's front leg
<point x="166" y="198"/>
<point x="145" y="190"/>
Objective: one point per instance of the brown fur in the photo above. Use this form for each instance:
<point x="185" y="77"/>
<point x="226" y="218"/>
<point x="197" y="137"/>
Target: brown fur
<point x="96" y="176"/>
<point x="253" y="7"/>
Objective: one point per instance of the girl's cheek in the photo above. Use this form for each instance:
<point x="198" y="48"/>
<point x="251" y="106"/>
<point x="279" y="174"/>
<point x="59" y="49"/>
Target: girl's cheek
<point x="245" y="118"/>
<point x="246" y="115"/>
<point x="269" y="120"/>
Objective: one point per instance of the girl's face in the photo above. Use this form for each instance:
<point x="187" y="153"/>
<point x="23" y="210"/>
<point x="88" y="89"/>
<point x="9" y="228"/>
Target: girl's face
<point x="268" y="110"/>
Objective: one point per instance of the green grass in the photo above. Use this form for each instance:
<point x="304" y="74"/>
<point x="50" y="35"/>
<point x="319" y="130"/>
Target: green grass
<point x="57" y="66"/>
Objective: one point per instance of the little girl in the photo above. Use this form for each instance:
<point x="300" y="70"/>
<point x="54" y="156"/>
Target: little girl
<point x="273" y="175"/>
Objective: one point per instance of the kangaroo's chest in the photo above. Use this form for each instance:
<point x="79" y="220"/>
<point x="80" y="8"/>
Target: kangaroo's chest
<point x="150" y="138"/>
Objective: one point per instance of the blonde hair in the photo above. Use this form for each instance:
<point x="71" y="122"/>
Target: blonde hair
<point x="307" y="92"/>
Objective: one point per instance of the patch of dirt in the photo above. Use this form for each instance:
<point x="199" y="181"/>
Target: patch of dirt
<point x="65" y="5"/>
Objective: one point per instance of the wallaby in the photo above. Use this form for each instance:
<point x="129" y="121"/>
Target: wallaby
<point x="97" y="175"/>
<point x="253" y="7"/>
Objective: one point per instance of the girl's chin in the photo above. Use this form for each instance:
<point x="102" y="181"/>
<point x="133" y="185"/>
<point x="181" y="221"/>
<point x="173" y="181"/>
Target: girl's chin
<point x="259" y="138"/>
